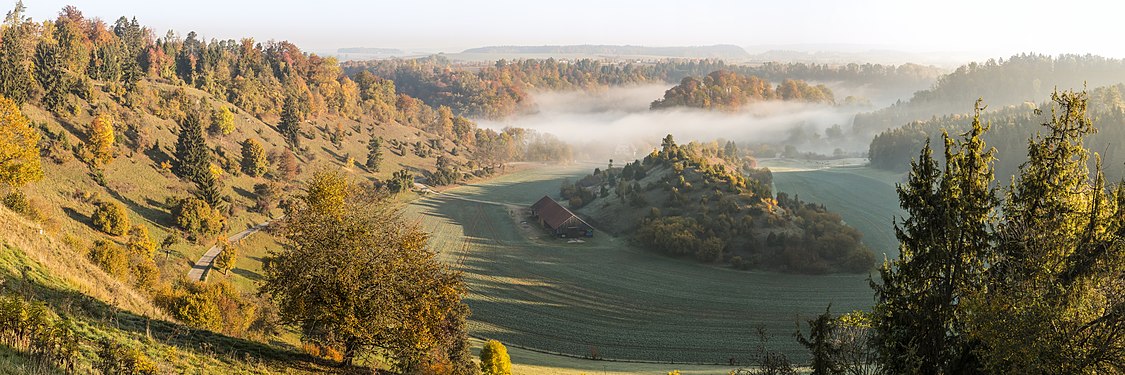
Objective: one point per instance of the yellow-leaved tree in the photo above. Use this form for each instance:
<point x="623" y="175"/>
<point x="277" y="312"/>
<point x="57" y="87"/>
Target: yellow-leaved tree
<point x="19" y="151"/>
<point x="102" y="139"/>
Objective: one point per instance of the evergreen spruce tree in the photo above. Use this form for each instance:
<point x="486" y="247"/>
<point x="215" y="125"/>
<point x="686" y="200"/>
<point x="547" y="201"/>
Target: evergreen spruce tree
<point x="374" y="154"/>
<point x="16" y="82"/>
<point x="209" y="189"/>
<point x="290" y="125"/>
<point x="945" y="246"/>
<point x="50" y="73"/>
<point x="192" y="157"/>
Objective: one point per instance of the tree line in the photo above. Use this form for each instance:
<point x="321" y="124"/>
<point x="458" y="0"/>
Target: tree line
<point x="729" y="91"/>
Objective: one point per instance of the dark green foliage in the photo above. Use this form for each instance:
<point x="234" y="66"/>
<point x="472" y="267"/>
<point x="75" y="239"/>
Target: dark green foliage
<point x="823" y="345"/>
<point x="945" y="248"/>
<point x="401" y="182"/>
<point x="193" y="159"/>
<point x="16" y="82"/>
<point x="374" y="154"/>
<point x="446" y="172"/>
<point x="49" y="72"/>
<point x="290" y="125"/>
<point x="209" y="189"/>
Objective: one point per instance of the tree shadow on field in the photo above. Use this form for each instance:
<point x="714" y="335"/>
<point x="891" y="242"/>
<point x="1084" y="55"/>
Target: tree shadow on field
<point x="78" y="217"/>
<point x="153" y="215"/>
<point x="247" y="274"/>
<point x="244" y="193"/>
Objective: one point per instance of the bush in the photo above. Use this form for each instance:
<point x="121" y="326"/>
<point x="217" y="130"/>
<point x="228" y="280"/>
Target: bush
<point x="110" y="217"/>
<point x="33" y="329"/>
<point x="114" y="358"/>
<point x="196" y="217"/>
<point x="18" y="203"/>
<point x="494" y="359"/>
<point x="110" y="258"/>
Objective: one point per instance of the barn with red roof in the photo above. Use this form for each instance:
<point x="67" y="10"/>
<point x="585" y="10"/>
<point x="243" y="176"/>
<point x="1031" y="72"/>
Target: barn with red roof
<point x="559" y="220"/>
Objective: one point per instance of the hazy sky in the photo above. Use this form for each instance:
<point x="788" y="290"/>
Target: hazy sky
<point x="998" y="28"/>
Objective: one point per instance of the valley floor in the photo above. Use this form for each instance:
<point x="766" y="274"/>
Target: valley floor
<point x="602" y="298"/>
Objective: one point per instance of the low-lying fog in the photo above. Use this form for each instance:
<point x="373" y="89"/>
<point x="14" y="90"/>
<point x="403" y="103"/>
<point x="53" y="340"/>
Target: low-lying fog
<point x="600" y="122"/>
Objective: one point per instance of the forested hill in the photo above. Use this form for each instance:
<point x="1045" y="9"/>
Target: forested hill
<point x="704" y="201"/>
<point x="503" y="89"/>
<point x="721" y="51"/>
<point x="1011" y="127"/>
<point x="730" y="91"/>
<point x="1017" y="80"/>
<point x="124" y="155"/>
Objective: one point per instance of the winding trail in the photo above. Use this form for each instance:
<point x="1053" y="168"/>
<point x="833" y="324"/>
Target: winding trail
<point x="202" y="267"/>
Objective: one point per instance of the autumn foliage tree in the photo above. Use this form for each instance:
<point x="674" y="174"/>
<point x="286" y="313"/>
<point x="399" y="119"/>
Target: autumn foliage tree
<point x="494" y="359"/>
<point x="19" y="150"/>
<point x="102" y="138"/>
<point x="254" y="161"/>
<point x="355" y="275"/>
<point x="110" y="217"/>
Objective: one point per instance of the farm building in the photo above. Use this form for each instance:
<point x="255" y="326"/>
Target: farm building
<point x="559" y="220"/>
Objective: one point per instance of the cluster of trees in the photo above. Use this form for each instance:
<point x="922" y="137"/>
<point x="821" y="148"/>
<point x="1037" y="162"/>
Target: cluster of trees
<point x="705" y="201"/>
<point x="1010" y="127"/>
<point x="503" y="89"/>
<point x="1015" y="81"/>
<point x="1024" y="281"/>
<point x="730" y="91"/>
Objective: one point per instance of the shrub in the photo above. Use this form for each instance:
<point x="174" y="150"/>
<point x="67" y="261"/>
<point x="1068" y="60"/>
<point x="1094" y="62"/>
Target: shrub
<point x="494" y="359"/>
<point x="110" y="258"/>
<point x="18" y="203"/>
<point x="197" y="217"/>
<point x="114" y="358"/>
<point x="110" y="217"/>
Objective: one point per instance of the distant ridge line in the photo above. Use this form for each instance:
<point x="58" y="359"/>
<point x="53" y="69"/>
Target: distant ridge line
<point x="716" y="51"/>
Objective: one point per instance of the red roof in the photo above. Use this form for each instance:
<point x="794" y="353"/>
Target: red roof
<point x="552" y="213"/>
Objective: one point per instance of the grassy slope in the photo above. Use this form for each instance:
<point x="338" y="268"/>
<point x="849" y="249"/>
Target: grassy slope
<point x="865" y="198"/>
<point x="530" y="290"/>
<point x="39" y="267"/>
<point x="67" y="194"/>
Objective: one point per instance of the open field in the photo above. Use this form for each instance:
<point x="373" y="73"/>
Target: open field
<point x="864" y="197"/>
<point x="603" y="297"/>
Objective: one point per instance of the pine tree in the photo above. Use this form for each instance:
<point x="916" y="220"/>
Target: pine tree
<point x="19" y="146"/>
<point x="374" y="154"/>
<point x="209" y="189"/>
<point x="290" y="125"/>
<point x="193" y="160"/>
<point x="254" y="161"/>
<point x="16" y="82"/>
<point x="945" y="246"/>
<point x="50" y="73"/>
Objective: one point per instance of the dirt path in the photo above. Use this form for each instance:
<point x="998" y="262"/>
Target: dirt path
<point x="202" y="267"/>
